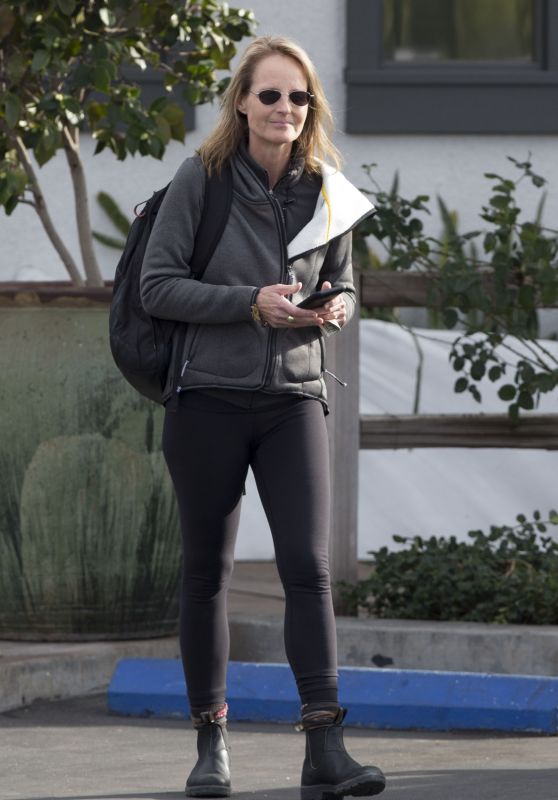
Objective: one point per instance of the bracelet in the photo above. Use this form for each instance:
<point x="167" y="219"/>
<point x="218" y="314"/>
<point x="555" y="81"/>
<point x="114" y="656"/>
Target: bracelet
<point x="256" y="316"/>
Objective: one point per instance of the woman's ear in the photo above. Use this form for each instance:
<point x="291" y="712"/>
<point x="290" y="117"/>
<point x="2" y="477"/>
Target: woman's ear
<point x="241" y="105"/>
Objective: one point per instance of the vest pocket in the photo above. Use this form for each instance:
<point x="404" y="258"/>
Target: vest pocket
<point x="232" y="351"/>
<point x="301" y="354"/>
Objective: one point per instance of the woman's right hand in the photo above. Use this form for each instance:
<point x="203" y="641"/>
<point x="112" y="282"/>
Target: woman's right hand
<point x="278" y="312"/>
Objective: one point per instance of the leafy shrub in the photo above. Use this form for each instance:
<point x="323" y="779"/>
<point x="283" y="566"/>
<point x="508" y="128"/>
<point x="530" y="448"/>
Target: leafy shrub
<point x="487" y="284"/>
<point x="509" y="575"/>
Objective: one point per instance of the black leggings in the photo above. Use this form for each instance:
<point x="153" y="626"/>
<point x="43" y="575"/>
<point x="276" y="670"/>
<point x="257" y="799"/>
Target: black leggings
<point x="208" y="445"/>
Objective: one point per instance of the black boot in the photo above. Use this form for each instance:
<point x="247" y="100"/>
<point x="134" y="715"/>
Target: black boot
<point x="211" y="776"/>
<point x="329" y="771"/>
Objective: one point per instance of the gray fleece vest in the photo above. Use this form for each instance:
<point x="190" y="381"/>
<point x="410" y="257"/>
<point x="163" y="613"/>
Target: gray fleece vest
<point x="224" y="347"/>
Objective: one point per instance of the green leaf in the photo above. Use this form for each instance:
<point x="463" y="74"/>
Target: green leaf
<point x="40" y="60"/>
<point x="458" y="363"/>
<point x="451" y="317"/>
<point x="525" y="400"/>
<point x="107" y="17"/>
<point x="12" y="110"/>
<point x="478" y="370"/>
<point x="173" y="113"/>
<point x="101" y="78"/>
<point x="17" y="181"/>
<point x="114" y="212"/>
<point x="500" y="201"/>
<point x="82" y="76"/>
<point x="109" y="241"/>
<point x="460" y="385"/>
<point x="507" y="392"/>
<point x="163" y="128"/>
<point x="66" y="6"/>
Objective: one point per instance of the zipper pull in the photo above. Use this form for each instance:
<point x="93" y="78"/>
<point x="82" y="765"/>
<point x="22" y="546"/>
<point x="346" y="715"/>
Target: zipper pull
<point x="342" y="383"/>
<point x="184" y="368"/>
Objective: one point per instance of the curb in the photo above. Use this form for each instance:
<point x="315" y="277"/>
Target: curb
<point x="42" y="670"/>
<point x="380" y="699"/>
<point x="32" y="671"/>
<point x="412" y="644"/>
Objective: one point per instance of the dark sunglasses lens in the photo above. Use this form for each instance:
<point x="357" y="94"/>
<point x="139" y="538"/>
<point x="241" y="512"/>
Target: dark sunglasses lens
<point x="300" y="98"/>
<point x="269" y="96"/>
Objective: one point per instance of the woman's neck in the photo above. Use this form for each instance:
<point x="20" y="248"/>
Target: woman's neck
<point x="275" y="160"/>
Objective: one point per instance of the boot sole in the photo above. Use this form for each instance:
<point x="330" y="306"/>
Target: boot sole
<point x="365" y="788"/>
<point x="207" y="791"/>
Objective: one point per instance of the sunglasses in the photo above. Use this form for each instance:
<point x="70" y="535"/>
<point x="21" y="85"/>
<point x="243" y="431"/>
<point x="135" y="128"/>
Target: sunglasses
<point x="270" y="96"/>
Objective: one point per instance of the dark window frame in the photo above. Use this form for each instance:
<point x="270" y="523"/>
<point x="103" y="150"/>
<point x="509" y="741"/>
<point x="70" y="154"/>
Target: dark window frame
<point x="389" y="97"/>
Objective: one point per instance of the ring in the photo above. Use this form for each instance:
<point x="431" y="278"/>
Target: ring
<point x="290" y="318"/>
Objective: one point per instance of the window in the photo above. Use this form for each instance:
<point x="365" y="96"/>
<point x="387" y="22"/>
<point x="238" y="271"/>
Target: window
<point x="463" y="66"/>
<point x="432" y="31"/>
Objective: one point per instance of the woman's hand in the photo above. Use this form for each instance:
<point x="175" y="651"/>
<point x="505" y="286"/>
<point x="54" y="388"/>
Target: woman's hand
<point x="334" y="310"/>
<point x="278" y="312"/>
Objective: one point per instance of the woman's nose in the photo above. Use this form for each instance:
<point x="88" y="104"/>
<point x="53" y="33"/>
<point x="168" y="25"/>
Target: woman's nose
<point x="283" y="104"/>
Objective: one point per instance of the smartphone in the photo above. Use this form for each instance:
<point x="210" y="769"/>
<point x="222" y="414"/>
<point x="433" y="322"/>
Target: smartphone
<point x="317" y="299"/>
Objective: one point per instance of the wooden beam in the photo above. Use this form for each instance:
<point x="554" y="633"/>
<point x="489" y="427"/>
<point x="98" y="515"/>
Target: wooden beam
<point x="539" y="431"/>
<point x="344" y="441"/>
<point x="385" y="289"/>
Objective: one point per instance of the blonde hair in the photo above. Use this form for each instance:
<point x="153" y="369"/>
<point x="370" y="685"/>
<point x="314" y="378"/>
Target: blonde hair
<point x="314" y="143"/>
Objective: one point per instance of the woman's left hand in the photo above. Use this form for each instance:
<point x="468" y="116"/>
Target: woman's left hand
<point x="334" y="310"/>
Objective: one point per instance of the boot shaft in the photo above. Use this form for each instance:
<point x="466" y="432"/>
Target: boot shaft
<point x="211" y="774"/>
<point x="328" y="769"/>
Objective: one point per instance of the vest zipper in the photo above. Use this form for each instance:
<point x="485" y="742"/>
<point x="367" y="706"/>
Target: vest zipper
<point x="286" y="274"/>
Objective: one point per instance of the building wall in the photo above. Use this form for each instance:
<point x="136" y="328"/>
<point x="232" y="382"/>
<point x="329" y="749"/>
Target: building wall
<point x="449" y="165"/>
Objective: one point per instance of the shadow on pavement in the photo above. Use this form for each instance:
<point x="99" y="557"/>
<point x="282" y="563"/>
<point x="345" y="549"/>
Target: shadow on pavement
<point x="422" y="785"/>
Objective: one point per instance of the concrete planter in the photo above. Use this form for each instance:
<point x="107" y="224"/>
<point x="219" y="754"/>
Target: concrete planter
<point x="89" y="536"/>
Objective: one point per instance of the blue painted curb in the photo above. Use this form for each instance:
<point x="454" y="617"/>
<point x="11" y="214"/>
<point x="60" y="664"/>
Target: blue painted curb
<point x="382" y="699"/>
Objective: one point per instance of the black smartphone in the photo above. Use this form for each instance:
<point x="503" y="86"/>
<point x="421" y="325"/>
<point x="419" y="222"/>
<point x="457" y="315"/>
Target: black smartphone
<point x="317" y="299"/>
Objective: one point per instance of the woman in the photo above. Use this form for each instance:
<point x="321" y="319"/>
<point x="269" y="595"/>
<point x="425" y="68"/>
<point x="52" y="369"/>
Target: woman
<point x="252" y="392"/>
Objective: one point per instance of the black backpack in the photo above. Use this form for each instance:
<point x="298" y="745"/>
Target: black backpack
<point x="141" y="345"/>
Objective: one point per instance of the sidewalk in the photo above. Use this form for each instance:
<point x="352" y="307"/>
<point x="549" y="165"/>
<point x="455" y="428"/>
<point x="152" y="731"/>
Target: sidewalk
<point x="71" y="749"/>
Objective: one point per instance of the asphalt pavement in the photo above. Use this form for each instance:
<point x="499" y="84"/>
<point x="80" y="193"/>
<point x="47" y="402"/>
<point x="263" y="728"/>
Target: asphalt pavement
<point x="74" y="749"/>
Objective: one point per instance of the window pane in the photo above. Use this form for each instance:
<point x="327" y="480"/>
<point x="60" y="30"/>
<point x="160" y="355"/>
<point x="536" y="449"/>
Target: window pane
<point x="459" y="30"/>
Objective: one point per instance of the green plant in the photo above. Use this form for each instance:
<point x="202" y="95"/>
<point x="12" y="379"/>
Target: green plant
<point x="509" y="575"/>
<point x="89" y="532"/>
<point x="93" y="492"/>
<point x="489" y="284"/>
<point x="61" y="72"/>
<point x="118" y="218"/>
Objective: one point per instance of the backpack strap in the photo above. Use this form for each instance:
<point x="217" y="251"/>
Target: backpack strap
<point x="215" y="213"/>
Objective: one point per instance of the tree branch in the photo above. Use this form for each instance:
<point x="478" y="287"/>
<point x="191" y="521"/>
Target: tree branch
<point x="90" y="265"/>
<point x="42" y="210"/>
